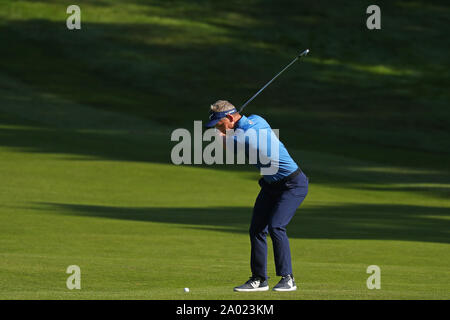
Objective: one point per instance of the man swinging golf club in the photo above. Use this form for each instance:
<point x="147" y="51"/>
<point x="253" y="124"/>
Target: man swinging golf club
<point x="280" y="196"/>
<point x="282" y="191"/>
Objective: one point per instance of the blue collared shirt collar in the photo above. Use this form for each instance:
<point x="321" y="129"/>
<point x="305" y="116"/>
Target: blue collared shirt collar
<point x="243" y="123"/>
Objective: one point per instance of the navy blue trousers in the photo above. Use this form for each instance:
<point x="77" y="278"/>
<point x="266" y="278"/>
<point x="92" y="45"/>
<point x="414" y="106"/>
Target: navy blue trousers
<point x="274" y="208"/>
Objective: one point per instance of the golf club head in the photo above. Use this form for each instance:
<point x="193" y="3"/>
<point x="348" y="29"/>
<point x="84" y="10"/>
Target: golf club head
<point x="304" y="53"/>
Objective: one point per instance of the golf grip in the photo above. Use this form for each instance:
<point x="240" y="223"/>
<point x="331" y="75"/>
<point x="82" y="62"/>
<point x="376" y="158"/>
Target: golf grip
<point x="268" y="83"/>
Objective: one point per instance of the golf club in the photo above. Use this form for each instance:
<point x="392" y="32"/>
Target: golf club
<point x="304" y="53"/>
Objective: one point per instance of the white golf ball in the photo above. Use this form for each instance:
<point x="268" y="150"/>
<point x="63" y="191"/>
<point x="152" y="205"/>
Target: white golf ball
<point x="186" y="289"/>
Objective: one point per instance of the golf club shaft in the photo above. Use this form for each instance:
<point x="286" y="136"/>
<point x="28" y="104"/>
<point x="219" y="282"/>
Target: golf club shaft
<point x="292" y="62"/>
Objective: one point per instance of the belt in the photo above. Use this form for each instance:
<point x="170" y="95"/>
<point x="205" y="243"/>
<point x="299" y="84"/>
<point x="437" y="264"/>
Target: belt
<point x="287" y="178"/>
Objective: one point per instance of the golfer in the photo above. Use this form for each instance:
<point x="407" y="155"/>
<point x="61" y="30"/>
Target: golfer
<point x="280" y="196"/>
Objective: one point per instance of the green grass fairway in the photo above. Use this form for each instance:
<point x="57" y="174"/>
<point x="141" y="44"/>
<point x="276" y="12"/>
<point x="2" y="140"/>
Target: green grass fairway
<point x="85" y="124"/>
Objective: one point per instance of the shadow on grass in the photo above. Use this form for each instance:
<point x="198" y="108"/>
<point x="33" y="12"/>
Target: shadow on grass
<point x="151" y="68"/>
<point x="365" y="221"/>
<point x="125" y="146"/>
<point x="148" y="146"/>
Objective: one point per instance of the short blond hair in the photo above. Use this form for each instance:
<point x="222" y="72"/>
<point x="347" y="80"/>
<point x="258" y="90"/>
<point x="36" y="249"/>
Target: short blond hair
<point x="221" y="105"/>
